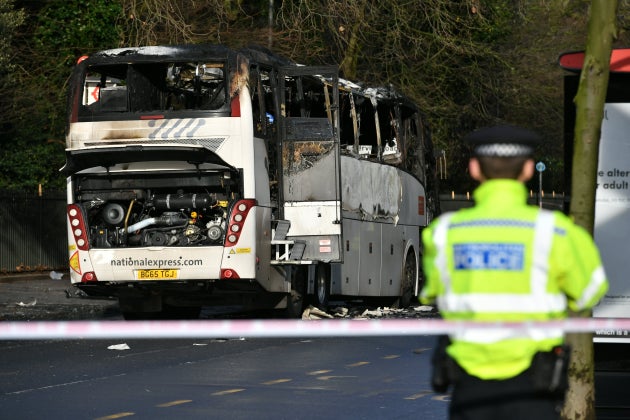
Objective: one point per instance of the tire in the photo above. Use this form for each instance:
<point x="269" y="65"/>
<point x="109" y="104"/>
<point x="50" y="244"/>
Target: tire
<point x="296" y="299"/>
<point x="322" y="286"/>
<point x="408" y="281"/>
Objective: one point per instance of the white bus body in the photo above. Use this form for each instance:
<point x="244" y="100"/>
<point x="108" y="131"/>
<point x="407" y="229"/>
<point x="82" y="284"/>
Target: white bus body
<point x="200" y="175"/>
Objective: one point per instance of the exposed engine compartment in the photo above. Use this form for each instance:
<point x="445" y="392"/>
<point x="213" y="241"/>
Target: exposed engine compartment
<point x="140" y="210"/>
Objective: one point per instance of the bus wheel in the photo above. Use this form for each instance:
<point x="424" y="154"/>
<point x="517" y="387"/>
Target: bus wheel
<point x="408" y="280"/>
<point x="322" y="286"/>
<point x="296" y="298"/>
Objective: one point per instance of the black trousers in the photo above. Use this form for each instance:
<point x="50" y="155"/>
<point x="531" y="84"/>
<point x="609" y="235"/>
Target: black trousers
<point x="511" y="399"/>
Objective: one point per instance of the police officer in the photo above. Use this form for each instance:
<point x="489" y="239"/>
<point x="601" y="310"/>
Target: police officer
<point x="504" y="260"/>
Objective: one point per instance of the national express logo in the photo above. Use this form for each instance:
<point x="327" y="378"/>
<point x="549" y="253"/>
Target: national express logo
<point x="155" y="262"/>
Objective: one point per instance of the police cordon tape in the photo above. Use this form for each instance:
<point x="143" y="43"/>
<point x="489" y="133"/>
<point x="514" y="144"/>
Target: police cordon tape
<point x="46" y="330"/>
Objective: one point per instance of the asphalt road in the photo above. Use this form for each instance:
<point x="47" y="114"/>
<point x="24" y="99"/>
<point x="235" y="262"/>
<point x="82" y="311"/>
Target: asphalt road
<point x="357" y="378"/>
<point x="37" y="296"/>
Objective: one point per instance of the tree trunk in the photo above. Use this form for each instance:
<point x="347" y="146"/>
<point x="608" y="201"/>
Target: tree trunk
<point x="589" y="101"/>
<point x="348" y="66"/>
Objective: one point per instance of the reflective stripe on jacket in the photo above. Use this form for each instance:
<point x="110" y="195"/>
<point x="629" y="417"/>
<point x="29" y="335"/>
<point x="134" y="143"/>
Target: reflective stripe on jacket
<point x="503" y="260"/>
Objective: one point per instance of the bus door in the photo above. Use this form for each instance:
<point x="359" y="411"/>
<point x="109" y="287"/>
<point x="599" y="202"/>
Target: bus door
<point x="309" y="176"/>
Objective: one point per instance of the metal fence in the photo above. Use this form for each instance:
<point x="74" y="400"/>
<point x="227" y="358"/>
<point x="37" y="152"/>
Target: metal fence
<point x="33" y="232"/>
<point x="453" y="201"/>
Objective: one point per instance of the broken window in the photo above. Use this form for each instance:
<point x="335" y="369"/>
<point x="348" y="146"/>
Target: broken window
<point x="154" y="87"/>
<point x="263" y="106"/>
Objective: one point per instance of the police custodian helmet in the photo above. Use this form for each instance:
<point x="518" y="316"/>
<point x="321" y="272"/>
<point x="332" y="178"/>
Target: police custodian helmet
<point x="502" y="141"/>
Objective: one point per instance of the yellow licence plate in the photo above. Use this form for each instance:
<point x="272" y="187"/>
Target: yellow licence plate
<point x="157" y="274"/>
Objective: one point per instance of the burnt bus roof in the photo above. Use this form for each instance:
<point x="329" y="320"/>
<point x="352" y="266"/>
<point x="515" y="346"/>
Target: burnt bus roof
<point x="264" y="56"/>
<point x="210" y="52"/>
<point x="197" y="52"/>
<point x="161" y="53"/>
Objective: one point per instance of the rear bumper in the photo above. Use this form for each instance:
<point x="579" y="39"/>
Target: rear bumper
<point x="187" y="293"/>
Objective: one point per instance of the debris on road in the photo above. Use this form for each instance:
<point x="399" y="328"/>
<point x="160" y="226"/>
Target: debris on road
<point x="31" y="303"/>
<point x="315" y="313"/>
<point x="122" y="346"/>
<point x="55" y="275"/>
<point x="369" y="313"/>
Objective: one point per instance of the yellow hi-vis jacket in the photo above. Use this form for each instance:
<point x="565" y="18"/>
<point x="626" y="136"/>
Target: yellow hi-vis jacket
<point x="503" y="260"/>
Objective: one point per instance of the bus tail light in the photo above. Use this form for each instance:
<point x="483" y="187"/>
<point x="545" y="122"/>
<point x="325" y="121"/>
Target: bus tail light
<point x="237" y="220"/>
<point x="88" y="277"/>
<point x="229" y="274"/>
<point x="75" y="216"/>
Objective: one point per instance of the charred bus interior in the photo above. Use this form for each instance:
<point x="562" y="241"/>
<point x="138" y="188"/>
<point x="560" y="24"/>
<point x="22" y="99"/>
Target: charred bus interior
<point x="376" y="124"/>
<point x="381" y="125"/>
<point x="164" y="87"/>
